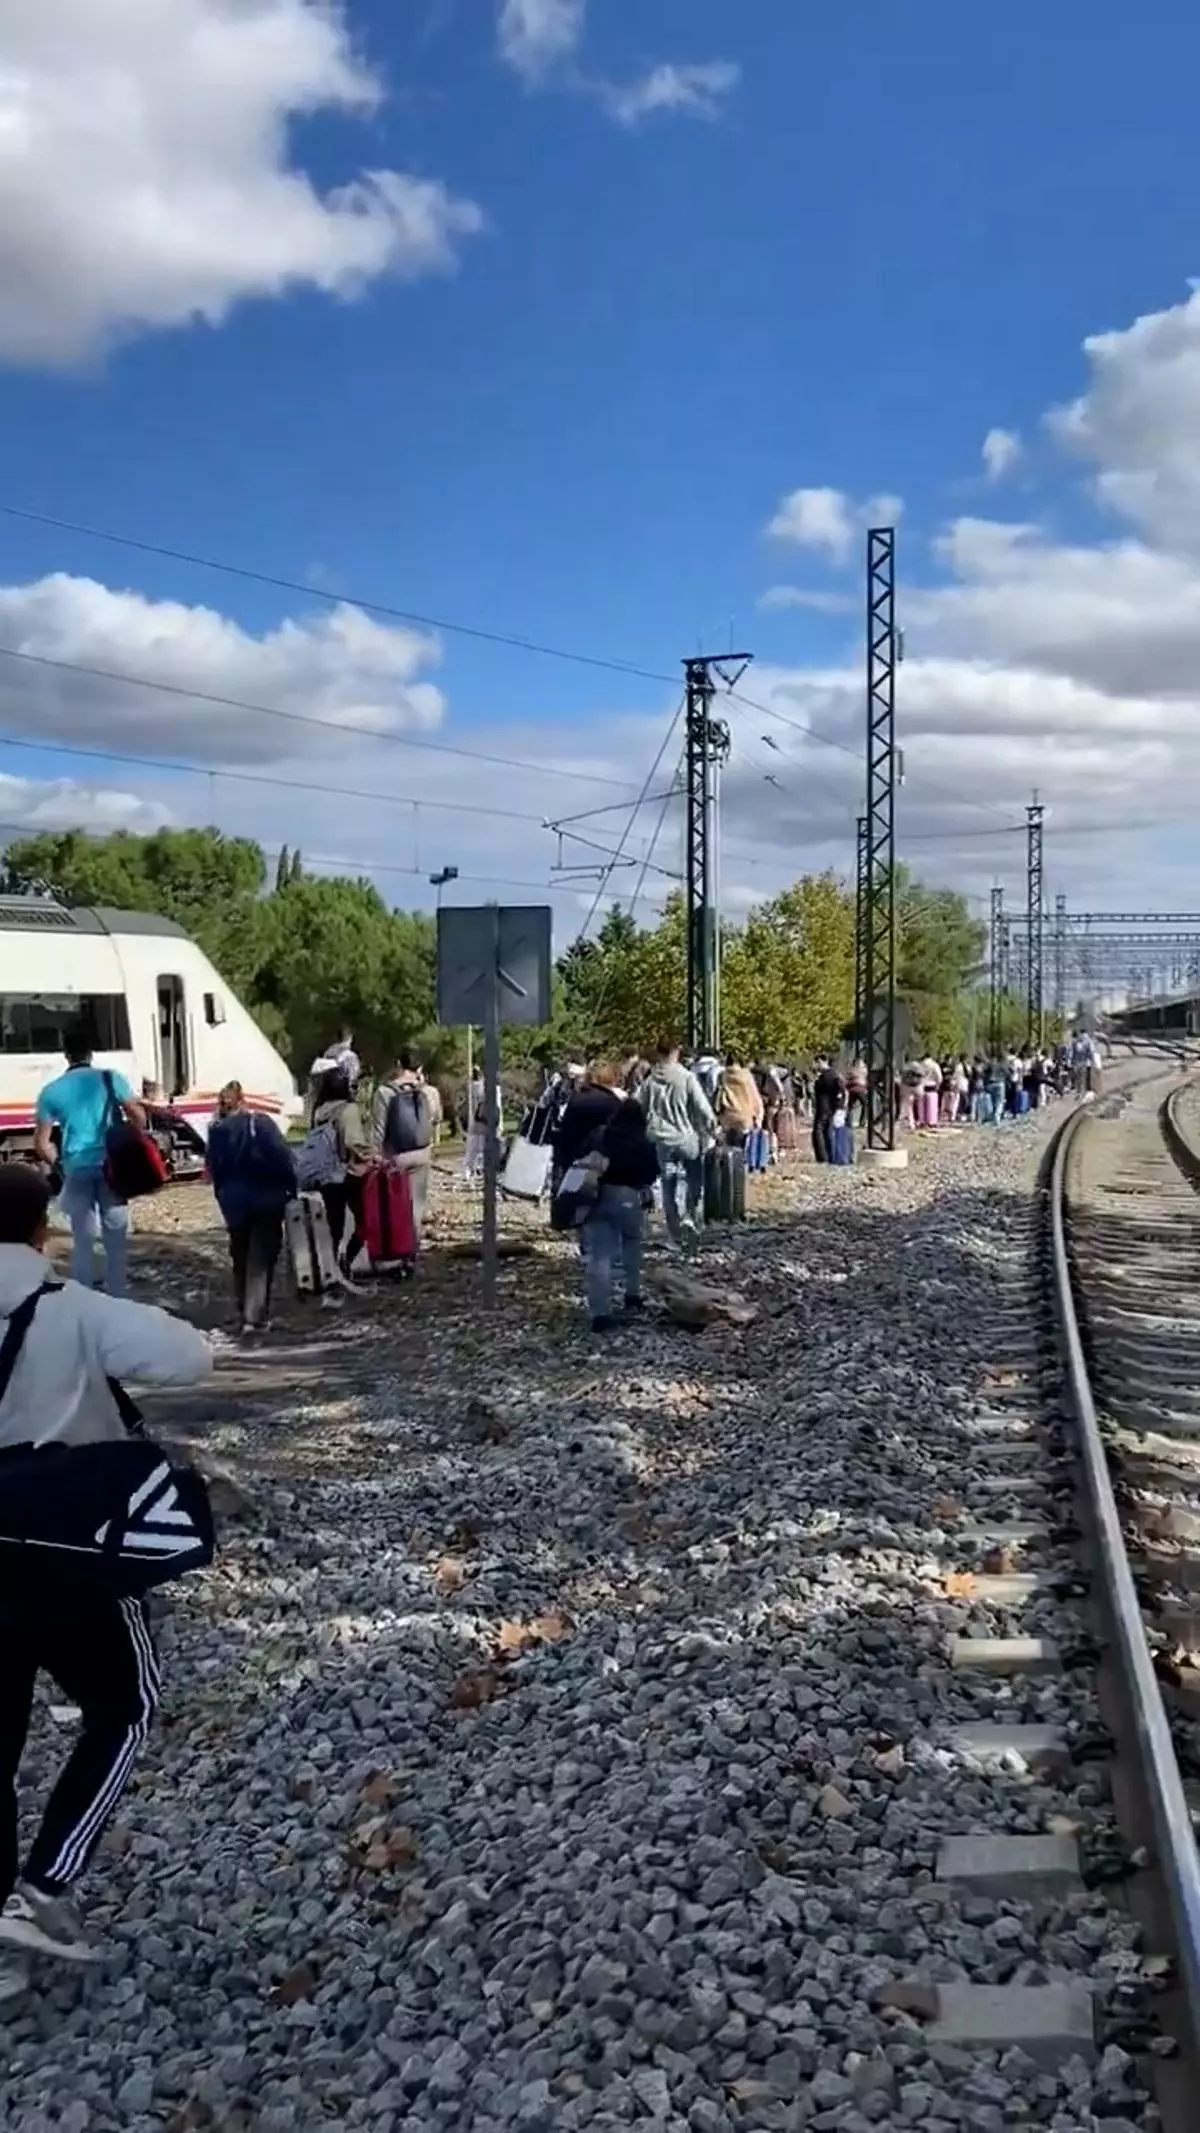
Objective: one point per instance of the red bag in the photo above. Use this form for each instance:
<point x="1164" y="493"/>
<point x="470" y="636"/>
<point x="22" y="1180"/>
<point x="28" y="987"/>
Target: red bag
<point x="134" y="1164"/>
<point x="387" y="1215"/>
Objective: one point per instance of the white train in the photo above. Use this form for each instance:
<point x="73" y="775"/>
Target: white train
<point x="158" y="1011"/>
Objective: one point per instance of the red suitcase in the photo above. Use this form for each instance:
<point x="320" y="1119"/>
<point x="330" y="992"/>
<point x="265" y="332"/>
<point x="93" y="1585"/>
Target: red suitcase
<point x="388" y="1225"/>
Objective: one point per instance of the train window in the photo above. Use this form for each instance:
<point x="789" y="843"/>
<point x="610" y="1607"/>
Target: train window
<point x="214" y="1010"/>
<point x="39" y="1021"/>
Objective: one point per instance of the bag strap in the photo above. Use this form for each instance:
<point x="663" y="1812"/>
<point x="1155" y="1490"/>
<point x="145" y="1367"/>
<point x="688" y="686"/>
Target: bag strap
<point x="15" y="1336"/>
<point x="115" y="1111"/>
<point x="19" y="1322"/>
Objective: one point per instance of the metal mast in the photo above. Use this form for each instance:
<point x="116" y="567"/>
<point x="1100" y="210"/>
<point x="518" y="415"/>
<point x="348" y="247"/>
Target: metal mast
<point x="1060" y="960"/>
<point x="996" y="975"/>
<point x="880" y="957"/>
<point x="860" y="938"/>
<point x="706" y="749"/>
<point x="1035" y="919"/>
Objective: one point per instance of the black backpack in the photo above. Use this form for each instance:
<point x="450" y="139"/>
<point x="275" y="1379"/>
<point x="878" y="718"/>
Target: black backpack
<point x="87" y="1522"/>
<point x="409" y="1127"/>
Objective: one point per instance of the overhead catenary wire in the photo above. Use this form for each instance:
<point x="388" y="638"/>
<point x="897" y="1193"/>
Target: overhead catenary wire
<point x="652" y="773"/>
<point x="511" y="641"/>
<point x="272" y="779"/>
<point x="336" y="726"/>
<point x="348" y="869"/>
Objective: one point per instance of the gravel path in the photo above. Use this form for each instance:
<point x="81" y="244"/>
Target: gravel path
<point x="559" y="1741"/>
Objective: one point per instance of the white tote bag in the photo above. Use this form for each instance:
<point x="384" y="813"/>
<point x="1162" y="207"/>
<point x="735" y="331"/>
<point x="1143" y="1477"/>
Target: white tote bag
<point x="526" y="1173"/>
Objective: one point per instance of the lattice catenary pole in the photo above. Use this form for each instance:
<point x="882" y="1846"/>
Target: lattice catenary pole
<point x="706" y="748"/>
<point x="880" y="932"/>
<point x="1035" y="937"/>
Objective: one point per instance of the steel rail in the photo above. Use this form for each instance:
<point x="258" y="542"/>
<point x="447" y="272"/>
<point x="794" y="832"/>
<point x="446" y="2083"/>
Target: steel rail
<point x="1176" y="1853"/>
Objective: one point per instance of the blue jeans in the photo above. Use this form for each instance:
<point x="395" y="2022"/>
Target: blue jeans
<point x="614" y="1232"/>
<point x="998" y="1094"/>
<point x="84" y="1195"/>
<point x="682" y="1181"/>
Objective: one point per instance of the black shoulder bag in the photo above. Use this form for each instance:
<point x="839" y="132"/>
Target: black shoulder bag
<point x="102" y="1521"/>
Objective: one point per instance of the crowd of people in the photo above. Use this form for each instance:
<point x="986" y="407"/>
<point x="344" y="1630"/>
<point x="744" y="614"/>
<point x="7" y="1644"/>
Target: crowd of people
<point x="622" y="1137"/>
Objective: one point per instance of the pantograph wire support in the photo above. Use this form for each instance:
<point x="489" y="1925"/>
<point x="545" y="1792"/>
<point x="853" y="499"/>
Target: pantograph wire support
<point x="1035" y="921"/>
<point x="860" y="938"/>
<point x="996" y="975"/>
<point x="880" y="943"/>
<point x="1060" y="961"/>
<point x="706" y="750"/>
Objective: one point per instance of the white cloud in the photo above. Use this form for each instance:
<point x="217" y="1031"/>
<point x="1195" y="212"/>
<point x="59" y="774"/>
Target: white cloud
<point x="815" y="518"/>
<point x="1001" y="452"/>
<point x="538" y="36"/>
<point x="819" y="603"/>
<point x="827" y="521"/>
<point x="1139" y="422"/>
<point x="541" y="41"/>
<point x="31" y="805"/>
<point x="148" y="179"/>
<point x="339" y="666"/>
<point x="696" y="91"/>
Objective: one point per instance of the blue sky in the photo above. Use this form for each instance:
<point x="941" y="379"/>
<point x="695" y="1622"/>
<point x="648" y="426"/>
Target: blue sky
<point x="883" y="234"/>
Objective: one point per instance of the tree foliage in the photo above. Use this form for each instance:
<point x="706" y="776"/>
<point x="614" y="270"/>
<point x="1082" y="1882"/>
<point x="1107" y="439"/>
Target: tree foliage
<point x="312" y="954"/>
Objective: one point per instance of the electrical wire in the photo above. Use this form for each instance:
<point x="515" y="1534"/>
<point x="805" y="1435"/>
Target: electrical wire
<point x="304" y="718"/>
<point x="652" y="773"/>
<point x="271" y="779"/>
<point x="350" y="869"/>
<point x="317" y="592"/>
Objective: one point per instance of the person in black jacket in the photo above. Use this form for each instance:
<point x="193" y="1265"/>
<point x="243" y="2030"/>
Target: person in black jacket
<point x="828" y="1097"/>
<point x="602" y="1120"/>
<point x="253" y="1177"/>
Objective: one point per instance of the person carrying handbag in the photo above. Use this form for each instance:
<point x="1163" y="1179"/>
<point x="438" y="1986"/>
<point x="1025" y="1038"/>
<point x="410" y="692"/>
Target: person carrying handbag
<point x="64" y="1350"/>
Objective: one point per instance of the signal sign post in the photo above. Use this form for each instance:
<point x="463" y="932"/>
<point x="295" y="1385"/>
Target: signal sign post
<point x="493" y="967"/>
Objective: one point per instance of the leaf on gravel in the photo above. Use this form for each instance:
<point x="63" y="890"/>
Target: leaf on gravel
<point x="960" y="1584"/>
<point x="999" y="1562"/>
<point x="471" y="1690"/>
<point x="298" y="1983"/>
<point x="513" y="1638"/>
<point x="1002" y="1380"/>
<point x="449" y="1574"/>
<point x="380" y="1790"/>
<point x="400" y="1848"/>
<point x="947" y="1507"/>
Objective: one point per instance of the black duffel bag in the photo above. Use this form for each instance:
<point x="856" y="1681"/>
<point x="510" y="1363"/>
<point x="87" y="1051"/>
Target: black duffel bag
<point x="108" y="1520"/>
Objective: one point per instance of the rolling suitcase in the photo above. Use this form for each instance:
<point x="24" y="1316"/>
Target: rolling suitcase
<point x="388" y="1224"/>
<point x="758" y="1150"/>
<point x="787" y="1131"/>
<point x="310" y="1246"/>
<point x="725" y="1185"/>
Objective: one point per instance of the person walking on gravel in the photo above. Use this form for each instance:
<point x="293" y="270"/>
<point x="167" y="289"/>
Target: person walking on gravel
<point x="253" y="1174"/>
<point x="56" y="1389"/>
<point x="681" y="1125"/>
<point x="80" y="1106"/>
<point x="603" y="1122"/>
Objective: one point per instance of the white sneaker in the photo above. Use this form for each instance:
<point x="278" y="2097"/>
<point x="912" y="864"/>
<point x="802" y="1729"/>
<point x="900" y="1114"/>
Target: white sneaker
<point x="45" y="1925"/>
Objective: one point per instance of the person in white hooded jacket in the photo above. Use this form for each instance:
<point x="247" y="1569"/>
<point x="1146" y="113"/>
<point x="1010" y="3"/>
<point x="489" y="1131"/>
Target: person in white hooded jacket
<point x="102" y="1656"/>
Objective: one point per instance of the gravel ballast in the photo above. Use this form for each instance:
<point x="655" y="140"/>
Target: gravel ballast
<point x="560" y="1740"/>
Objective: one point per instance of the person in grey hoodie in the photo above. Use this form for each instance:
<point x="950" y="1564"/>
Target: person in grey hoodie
<point x="682" y="1126"/>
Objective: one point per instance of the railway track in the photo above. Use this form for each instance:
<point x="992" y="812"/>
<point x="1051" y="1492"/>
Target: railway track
<point x="1120" y="1261"/>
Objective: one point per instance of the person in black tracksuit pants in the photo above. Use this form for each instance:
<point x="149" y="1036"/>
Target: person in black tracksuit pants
<point x="59" y="1391"/>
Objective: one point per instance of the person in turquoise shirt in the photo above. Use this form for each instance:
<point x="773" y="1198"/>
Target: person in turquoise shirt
<point x="78" y="1105"/>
